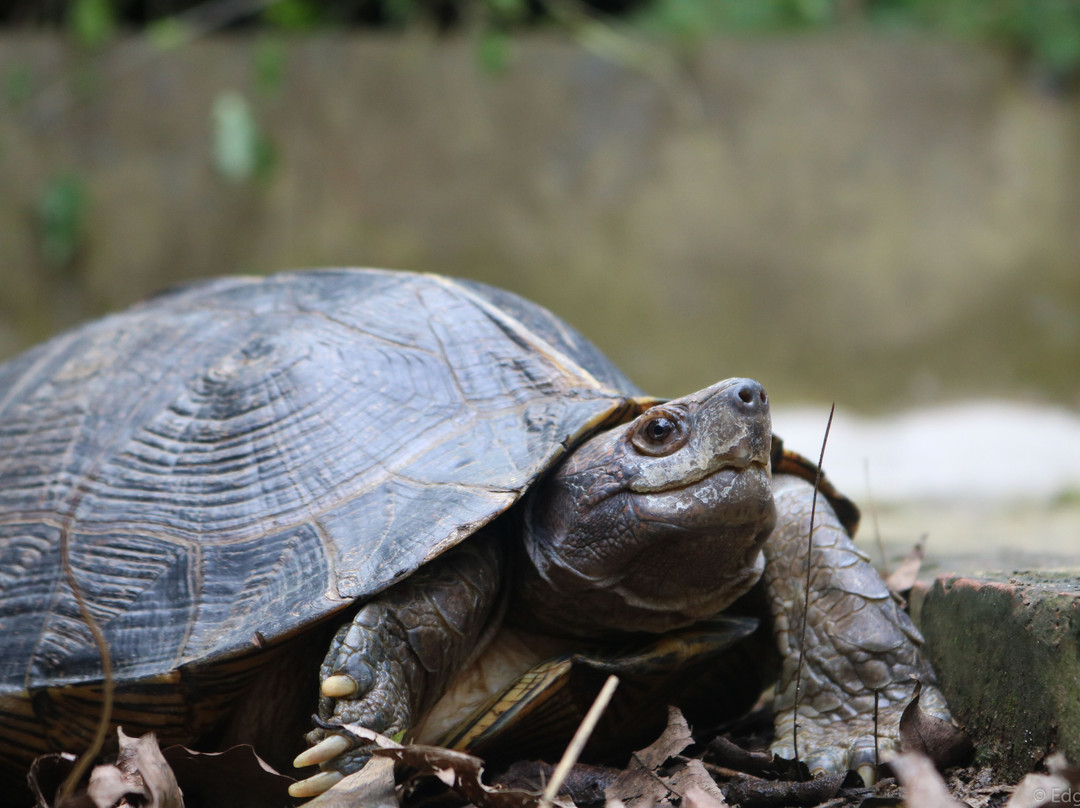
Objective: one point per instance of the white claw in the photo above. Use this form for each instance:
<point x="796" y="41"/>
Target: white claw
<point x="315" y="785"/>
<point x="339" y="686"/>
<point x="868" y="773"/>
<point x="327" y="749"/>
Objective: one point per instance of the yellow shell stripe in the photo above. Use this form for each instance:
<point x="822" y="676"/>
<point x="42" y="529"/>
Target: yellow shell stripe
<point x="530" y="696"/>
<point x="632" y="405"/>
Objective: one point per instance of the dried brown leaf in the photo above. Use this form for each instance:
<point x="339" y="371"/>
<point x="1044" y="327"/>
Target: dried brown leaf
<point x="674" y="739"/>
<point x="922" y="784"/>
<point x="940" y="740"/>
<point x="372" y="787"/>
<point x="140" y="771"/>
<point x="108" y="786"/>
<point x="584" y="784"/>
<point x="46" y="775"/>
<point x="464" y="774"/>
<point x="904" y="576"/>
<point x="639" y="786"/>
<point x="1036" y="790"/>
<point x="697" y="797"/>
<point x="235" y="778"/>
<point x="643" y="783"/>
<point x="1058" y="764"/>
<point x="694" y="779"/>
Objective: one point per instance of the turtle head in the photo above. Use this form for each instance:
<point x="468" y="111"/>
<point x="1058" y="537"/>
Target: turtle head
<point x="656" y="523"/>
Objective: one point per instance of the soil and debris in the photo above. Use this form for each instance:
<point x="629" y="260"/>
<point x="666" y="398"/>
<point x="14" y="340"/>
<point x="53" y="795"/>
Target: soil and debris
<point x="682" y="768"/>
<point x="678" y="769"/>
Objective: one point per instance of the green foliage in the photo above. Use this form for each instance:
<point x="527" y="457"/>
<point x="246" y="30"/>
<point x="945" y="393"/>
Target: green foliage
<point x="399" y="12"/>
<point x="296" y="15"/>
<point x="61" y="218"/>
<point x="270" y="64"/>
<point x="494" y="51"/>
<point x="92" y="22"/>
<point x="169" y="33"/>
<point x="242" y="152"/>
<point x="1046" y="31"/>
<point x="694" y="20"/>
<point x="1067" y="498"/>
<point x="1042" y="33"/>
<point x="507" y="10"/>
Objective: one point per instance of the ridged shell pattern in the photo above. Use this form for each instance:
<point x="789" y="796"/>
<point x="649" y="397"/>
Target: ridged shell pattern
<point x="233" y="461"/>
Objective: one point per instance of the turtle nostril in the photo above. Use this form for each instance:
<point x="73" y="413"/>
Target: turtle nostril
<point x="753" y="395"/>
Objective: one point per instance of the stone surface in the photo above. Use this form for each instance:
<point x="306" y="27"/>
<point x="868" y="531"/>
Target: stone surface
<point x="1006" y="649"/>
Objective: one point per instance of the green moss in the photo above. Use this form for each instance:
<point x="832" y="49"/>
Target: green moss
<point x="1007" y="653"/>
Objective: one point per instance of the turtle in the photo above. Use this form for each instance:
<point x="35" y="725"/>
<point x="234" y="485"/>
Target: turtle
<point x="342" y="489"/>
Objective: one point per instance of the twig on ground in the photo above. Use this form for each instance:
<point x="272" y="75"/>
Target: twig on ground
<point x="577" y="743"/>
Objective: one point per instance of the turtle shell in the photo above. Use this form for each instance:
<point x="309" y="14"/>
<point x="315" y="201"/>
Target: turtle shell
<point x="232" y="462"/>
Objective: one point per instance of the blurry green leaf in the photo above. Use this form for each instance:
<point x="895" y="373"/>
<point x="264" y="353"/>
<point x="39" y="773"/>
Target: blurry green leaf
<point x="750" y="15"/>
<point x="269" y="66"/>
<point x="61" y="216"/>
<point x="814" y="12"/>
<point x="168" y="33"/>
<point x="241" y="151"/>
<point x="265" y="158"/>
<point x="683" y="20"/>
<point x="694" y="20"/>
<point x="294" y="15"/>
<point x="493" y="51"/>
<point x="1054" y="28"/>
<point x="508" y="10"/>
<point x="400" y="11"/>
<point x="92" y="21"/>
<point x="1067" y="497"/>
<point x="1060" y="50"/>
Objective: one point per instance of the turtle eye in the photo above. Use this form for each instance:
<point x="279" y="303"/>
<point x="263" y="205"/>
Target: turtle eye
<point x="659" y="434"/>
<point x="658" y="430"/>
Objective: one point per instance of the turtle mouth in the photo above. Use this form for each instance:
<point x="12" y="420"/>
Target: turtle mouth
<point x="731" y="465"/>
<point x="728" y="485"/>
<point x="728" y="471"/>
<point x="733" y="497"/>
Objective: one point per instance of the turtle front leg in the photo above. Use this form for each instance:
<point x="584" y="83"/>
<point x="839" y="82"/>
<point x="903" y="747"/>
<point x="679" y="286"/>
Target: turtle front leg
<point x="859" y="641"/>
<point x="395" y="659"/>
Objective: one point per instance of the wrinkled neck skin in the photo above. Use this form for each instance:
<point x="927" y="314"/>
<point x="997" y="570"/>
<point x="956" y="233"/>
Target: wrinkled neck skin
<point x="620" y="540"/>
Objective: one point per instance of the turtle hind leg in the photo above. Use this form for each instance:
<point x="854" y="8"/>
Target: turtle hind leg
<point x="860" y="646"/>
<point x="388" y="666"/>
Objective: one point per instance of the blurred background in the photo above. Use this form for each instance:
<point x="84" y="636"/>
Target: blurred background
<point x="869" y="202"/>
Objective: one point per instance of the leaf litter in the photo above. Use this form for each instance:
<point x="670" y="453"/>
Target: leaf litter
<point x="677" y="770"/>
<point x="145" y="776"/>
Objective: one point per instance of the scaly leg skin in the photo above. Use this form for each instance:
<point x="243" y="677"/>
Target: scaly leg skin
<point x="388" y="666"/>
<point x="858" y="641"/>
